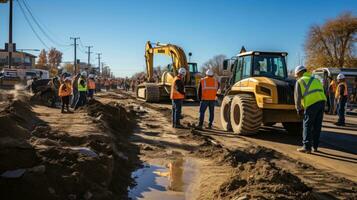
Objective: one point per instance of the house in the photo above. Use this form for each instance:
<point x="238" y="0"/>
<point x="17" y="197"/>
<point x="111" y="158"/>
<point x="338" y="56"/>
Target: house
<point x="21" y="60"/>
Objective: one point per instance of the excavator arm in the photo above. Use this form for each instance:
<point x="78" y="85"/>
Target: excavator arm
<point x="175" y="52"/>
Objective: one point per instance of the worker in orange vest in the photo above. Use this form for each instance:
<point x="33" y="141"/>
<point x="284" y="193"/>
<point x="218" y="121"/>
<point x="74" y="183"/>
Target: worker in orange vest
<point x="65" y="91"/>
<point x="177" y="96"/>
<point x="91" y="86"/>
<point x="331" y="95"/>
<point x="207" y="92"/>
<point x="341" y="99"/>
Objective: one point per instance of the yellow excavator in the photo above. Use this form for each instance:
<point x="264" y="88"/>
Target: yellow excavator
<point x="156" y="92"/>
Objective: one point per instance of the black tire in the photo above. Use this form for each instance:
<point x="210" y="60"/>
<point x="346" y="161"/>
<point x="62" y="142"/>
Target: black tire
<point x="246" y="117"/>
<point x="225" y="113"/>
<point x="294" y="128"/>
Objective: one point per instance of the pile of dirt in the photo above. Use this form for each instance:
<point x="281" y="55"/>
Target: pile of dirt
<point x="16" y="122"/>
<point x="45" y="164"/>
<point x="263" y="180"/>
<point x="254" y="174"/>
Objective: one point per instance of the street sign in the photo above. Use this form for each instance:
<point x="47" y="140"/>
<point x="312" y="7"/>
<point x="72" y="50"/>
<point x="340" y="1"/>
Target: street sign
<point x="10" y="47"/>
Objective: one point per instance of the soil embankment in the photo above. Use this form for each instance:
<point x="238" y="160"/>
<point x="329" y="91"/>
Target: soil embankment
<point x="49" y="155"/>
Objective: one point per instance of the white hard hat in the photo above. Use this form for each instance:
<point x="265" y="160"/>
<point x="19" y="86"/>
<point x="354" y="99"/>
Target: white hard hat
<point x="84" y="73"/>
<point x="299" y="69"/>
<point x="182" y="71"/>
<point x="340" y="76"/>
<point x="209" y="72"/>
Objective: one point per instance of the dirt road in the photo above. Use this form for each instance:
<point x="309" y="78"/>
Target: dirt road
<point x="338" y="152"/>
<point x="317" y="171"/>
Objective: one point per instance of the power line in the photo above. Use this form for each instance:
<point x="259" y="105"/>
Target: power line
<point x="29" y="23"/>
<point x="75" y="52"/>
<point x="39" y="26"/>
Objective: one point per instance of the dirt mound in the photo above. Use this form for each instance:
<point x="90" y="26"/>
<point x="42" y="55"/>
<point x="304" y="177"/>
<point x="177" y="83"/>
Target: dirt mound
<point x="55" y="165"/>
<point x="112" y="115"/>
<point x="263" y="180"/>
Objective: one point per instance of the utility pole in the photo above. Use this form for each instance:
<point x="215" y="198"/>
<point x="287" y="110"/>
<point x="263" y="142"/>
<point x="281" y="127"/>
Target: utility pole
<point x="99" y="54"/>
<point x="75" y="52"/>
<point x="89" y="47"/>
<point x="10" y="46"/>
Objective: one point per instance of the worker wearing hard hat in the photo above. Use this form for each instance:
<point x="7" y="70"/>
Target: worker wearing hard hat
<point x="82" y="89"/>
<point x="91" y="86"/>
<point x="207" y="92"/>
<point x="331" y="95"/>
<point x="310" y="101"/>
<point x="341" y="98"/>
<point x="65" y="91"/>
<point x="177" y="96"/>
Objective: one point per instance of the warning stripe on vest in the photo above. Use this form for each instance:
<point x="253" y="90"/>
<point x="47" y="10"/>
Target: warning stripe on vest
<point x="205" y="87"/>
<point x="307" y="87"/>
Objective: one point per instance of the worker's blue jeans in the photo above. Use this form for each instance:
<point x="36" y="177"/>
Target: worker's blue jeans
<point x="176" y="111"/>
<point x="341" y="110"/>
<point x="82" y="99"/>
<point x="332" y="103"/>
<point x="203" y="107"/>
<point x="74" y="97"/>
<point x="312" y="124"/>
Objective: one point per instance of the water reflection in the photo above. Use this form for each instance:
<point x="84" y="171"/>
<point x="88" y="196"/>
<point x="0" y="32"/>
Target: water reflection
<point x="163" y="182"/>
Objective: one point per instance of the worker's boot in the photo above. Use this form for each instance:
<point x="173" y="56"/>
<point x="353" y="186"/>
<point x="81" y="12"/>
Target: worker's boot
<point x="304" y="150"/>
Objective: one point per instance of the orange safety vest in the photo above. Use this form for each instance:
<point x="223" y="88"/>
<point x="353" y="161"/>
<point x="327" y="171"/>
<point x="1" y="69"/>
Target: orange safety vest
<point x="174" y="93"/>
<point x="333" y="86"/>
<point x="209" y="87"/>
<point x="91" y="84"/>
<point x="62" y="92"/>
<point x="337" y="94"/>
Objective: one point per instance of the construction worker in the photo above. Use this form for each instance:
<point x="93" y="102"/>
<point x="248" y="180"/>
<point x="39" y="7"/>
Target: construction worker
<point x="309" y="101"/>
<point x="64" y="92"/>
<point x="177" y="95"/>
<point x="331" y="94"/>
<point x="54" y="86"/>
<point x="91" y="86"/>
<point x="82" y="89"/>
<point x="207" y="95"/>
<point x="341" y="98"/>
<point x="75" y="93"/>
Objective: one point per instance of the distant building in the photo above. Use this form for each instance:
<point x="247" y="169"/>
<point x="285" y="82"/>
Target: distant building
<point x="21" y="60"/>
<point x="82" y="66"/>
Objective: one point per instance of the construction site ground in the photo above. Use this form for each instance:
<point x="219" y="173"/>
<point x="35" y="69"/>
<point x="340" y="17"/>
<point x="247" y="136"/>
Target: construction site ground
<point x="119" y="147"/>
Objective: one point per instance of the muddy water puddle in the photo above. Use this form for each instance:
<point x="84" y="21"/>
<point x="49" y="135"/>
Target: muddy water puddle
<point x="174" y="180"/>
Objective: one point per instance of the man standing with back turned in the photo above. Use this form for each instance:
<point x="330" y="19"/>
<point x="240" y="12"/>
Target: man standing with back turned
<point x="341" y="97"/>
<point x="207" y="94"/>
<point x="177" y="96"/>
<point x="309" y="101"/>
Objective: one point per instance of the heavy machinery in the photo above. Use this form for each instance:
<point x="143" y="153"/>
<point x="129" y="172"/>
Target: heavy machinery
<point x="259" y="93"/>
<point x="155" y="92"/>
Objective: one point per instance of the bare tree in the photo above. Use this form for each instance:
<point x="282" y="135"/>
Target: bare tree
<point x="215" y="63"/>
<point x="333" y="44"/>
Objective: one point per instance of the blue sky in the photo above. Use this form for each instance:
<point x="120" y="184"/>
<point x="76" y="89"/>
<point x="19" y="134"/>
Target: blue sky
<point x="120" y="28"/>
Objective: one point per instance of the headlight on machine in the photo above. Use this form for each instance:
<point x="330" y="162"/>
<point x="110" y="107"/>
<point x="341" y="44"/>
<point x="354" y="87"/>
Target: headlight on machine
<point x="263" y="90"/>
